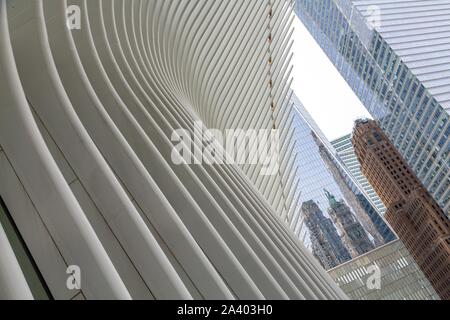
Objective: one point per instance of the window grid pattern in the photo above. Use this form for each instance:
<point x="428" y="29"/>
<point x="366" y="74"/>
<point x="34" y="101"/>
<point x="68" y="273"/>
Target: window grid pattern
<point x="391" y="80"/>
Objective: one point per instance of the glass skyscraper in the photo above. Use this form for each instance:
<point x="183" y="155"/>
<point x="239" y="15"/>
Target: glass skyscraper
<point x="346" y="154"/>
<point x="329" y="202"/>
<point x="395" y="55"/>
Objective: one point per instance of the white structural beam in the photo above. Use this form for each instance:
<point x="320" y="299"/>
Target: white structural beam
<point x="12" y="281"/>
<point x="94" y="110"/>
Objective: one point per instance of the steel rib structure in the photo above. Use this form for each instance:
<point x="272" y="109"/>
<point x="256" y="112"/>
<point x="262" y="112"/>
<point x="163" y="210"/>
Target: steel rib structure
<point x="86" y="118"/>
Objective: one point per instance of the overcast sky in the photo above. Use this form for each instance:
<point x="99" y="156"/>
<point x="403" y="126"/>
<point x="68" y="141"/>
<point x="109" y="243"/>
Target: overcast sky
<point x="321" y="89"/>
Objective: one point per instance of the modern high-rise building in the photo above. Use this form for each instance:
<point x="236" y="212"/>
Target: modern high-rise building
<point x="346" y="154"/>
<point x="395" y="55"/>
<point x="317" y="176"/>
<point x="413" y="214"/>
<point x="95" y="98"/>
<point x="355" y="195"/>
<point x="386" y="273"/>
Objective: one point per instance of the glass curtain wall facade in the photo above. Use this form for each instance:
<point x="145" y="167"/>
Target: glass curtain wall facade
<point x="400" y="277"/>
<point x="350" y="188"/>
<point x="331" y="207"/>
<point x="395" y="56"/>
<point x="346" y="154"/>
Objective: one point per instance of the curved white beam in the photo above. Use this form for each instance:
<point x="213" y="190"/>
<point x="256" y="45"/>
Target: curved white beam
<point x="109" y="96"/>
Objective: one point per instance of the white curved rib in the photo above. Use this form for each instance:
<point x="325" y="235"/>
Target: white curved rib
<point x="110" y="95"/>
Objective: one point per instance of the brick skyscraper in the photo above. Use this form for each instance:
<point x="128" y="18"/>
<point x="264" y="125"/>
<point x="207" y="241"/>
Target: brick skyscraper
<point x="411" y="211"/>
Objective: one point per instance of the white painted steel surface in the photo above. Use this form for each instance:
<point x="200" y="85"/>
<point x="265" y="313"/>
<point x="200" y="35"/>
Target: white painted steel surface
<point x="86" y="118"/>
